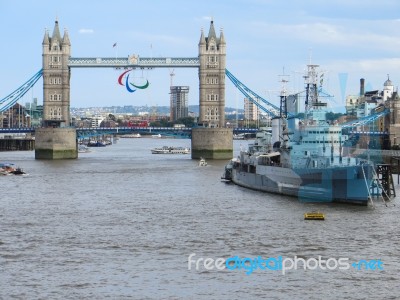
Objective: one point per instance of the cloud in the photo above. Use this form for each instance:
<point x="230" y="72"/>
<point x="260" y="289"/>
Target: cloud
<point x="206" y="18"/>
<point x="367" y="37"/>
<point x="86" y="31"/>
<point x="379" y="66"/>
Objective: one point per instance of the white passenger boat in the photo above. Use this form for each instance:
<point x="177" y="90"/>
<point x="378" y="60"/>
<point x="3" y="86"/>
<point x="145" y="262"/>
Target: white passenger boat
<point x="131" y="136"/>
<point x="170" y="150"/>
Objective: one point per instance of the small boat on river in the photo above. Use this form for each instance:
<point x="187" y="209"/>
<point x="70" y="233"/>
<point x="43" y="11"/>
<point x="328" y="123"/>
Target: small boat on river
<point x="202" y="162"/>
<point x="11" y="169"/>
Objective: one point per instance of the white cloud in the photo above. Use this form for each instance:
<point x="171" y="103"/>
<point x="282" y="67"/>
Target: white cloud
<point x="86" y="31"/>
<point x="373" y="34"/>
<point x="367" y="66"/>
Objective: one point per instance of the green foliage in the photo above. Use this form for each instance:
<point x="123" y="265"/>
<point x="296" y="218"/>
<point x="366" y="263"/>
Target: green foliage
<point x="112" y="117"/>
<point x="187" y="121"/>
<point x="161" y="123"/>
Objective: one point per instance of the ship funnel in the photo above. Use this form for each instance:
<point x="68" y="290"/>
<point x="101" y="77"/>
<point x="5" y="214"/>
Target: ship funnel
<point x="362" y="86"/>
<point x="277" y="124"/>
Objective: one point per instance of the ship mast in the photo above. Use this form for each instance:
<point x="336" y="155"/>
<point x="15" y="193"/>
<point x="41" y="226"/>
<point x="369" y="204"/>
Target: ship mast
<point x="283" y="96"/>
<point x="311" y="79"/>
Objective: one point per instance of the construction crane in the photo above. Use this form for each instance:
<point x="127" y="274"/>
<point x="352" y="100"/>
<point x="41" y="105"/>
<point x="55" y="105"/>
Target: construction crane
<point x="171" y="74"/>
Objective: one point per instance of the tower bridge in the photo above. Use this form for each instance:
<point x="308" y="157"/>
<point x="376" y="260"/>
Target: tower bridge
<point x="57" y="65"/>
<point x="58" y="140"/>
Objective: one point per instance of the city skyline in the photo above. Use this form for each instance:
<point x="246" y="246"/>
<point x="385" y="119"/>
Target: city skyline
<point x="349" y="40"/>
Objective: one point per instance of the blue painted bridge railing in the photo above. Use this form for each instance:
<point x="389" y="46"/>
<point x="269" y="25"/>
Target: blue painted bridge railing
<point x="90" y="132"/>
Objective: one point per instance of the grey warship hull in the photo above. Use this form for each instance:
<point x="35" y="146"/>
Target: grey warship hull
<point x="338" y="184"/>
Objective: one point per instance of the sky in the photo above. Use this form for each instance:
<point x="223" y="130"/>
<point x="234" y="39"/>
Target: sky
<point x="349" y="39"/>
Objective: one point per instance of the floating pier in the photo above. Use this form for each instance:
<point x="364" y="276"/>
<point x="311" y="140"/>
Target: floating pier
<point x="17" y="144"/>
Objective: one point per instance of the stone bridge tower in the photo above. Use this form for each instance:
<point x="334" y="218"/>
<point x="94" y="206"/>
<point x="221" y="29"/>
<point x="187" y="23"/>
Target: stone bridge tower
<point x="56" y="79"/>
<point x="56" y="139"/>
<point x="212" y="56"/>
<point x="212" y="140"/>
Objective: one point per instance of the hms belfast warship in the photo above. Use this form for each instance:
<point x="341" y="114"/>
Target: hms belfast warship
<point x="303" y="157"/>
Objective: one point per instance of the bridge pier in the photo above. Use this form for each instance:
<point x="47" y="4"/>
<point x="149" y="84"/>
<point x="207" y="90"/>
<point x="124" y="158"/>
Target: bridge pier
<point x="56" y="143"/>
<point x="212" y="143"/>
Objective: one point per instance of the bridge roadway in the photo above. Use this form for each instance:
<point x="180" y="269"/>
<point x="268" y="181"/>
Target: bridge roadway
<point x="87" y="132"/>
<point x="134" y="61"/>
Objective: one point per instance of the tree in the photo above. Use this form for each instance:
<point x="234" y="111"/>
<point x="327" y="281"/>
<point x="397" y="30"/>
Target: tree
<point x="187" y="121"/>
<point x="161" y="123"/>
<point x="112" y="117"/>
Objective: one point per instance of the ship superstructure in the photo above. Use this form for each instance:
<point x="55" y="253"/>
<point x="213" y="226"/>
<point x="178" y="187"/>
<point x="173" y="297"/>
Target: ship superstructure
<point x="305" y="158"/>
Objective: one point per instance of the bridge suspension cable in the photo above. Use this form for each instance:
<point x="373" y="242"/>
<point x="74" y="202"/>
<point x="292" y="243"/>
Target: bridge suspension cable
<point x="269" y="108"/>
<point x="12" y="98"/>
<point x="365" y="120"/>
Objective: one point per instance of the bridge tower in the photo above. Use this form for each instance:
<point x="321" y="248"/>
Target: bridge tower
<point x="212" y="139"/>
<point x="212" y="57"/>
<point x="56" y="78"/>
<point x="55" y="139"/>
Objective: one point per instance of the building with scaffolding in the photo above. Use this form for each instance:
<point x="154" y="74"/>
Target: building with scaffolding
<point x="251" y="112"/>
<point x="179" y="107"/>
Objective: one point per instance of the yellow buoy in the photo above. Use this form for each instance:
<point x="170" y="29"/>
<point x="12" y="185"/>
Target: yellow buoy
<point x="314" y="216"/>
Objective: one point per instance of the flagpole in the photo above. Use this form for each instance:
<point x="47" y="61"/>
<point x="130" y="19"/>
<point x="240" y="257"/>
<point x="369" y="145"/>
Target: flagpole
<point x="116" y="51"/>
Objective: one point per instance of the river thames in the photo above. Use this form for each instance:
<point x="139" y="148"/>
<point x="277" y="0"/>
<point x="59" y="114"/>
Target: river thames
<point x="121" y="223"/>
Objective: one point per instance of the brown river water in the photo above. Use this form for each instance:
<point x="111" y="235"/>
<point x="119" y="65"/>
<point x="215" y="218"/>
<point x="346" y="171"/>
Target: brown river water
<point x="121" y="223"/>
